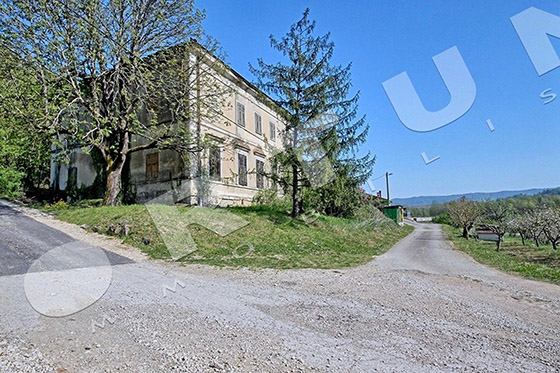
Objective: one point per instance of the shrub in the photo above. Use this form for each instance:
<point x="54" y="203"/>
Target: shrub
<point x="369" y="217"/>
<point x="443" y="219"/>
<point x="267" y="197"/>
<point x="60" y="205"/>
<point x="335" y="199"/>
<point x="10" y="183"/>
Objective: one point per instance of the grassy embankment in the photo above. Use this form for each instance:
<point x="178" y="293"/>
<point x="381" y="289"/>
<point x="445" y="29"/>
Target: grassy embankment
<point x="271" y="239"/>
<point x="539" y="263"/>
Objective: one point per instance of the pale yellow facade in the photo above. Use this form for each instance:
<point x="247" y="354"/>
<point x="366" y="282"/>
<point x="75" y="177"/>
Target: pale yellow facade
<point x="236" y="134"/>
<point x="247" y="127"/>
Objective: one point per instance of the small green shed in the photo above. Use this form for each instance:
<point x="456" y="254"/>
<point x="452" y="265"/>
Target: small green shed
<point x="395" y="213"/>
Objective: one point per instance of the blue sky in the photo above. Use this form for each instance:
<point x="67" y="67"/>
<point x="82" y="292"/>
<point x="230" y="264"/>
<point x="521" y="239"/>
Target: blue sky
<point x="386" y="37"/>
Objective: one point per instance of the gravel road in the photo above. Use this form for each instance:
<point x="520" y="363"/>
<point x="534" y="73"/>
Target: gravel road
<point x="422" y="307"/>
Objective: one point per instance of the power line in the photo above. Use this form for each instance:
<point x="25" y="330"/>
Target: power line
<point x="382" y="176"/>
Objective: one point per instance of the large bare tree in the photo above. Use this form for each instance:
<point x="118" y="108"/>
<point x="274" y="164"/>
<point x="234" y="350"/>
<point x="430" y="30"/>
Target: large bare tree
<point x="465" y="213"/>
<point x="498" y="216"/>
<point x="111" y="71"/>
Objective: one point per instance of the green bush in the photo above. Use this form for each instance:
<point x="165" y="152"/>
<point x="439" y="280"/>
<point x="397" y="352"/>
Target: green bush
<point x="369" y="217"/>
<point x="334" y="199"/>
<point x="60" y="205"/>
<point x="10" y="183"/>
<point x="443" y="219"/>
<point x="268" y="197"/>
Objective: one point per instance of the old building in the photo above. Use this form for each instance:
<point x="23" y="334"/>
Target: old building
<point x="244" y="138"/>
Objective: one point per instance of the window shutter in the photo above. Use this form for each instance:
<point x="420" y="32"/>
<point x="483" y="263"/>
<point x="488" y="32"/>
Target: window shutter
<point x="242" y="169"/>
<point x="260" y="174"/>
<point x="241" y="114"/>
<point x="272" y="131"/>
<point x="152" y="166"/>
<point x="258" y="124"/>
<point x="215" y="164"/>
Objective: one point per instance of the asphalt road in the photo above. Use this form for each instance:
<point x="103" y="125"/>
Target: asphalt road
<point x="420" y="307"/>
<point x="24" y="240"/>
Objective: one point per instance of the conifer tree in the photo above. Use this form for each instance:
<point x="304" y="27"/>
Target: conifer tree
<point x="320" y="113"/>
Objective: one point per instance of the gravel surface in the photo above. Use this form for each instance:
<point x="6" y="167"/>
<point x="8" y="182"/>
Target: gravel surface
<point x="420" y="307"/>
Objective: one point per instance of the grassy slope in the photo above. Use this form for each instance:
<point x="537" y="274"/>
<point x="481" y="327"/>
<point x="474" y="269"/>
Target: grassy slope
<point x="278" y="240"/>
<point x="537" y="263"/>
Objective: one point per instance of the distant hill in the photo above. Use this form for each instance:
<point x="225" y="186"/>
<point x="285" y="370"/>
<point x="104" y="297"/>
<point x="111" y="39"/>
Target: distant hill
<point x="551" y="192"/>
<point x="429" y="200"/>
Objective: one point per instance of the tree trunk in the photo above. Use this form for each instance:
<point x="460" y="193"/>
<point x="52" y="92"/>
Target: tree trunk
<point x="522" y="239"/>
<point x="465" y="233"/>
<point x="498" y="244"/>
<point x="554" y="245"/>
<point x="115" y="165"/>
<point x="295" y="192"/>
<point x="114" y="177"/>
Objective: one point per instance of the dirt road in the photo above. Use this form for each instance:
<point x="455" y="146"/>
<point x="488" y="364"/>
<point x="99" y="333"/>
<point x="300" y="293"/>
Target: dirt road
<point x="420" y="307"/>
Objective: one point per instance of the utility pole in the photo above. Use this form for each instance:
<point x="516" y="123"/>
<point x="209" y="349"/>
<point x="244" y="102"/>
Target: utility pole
<point x="199" y="170"/>
<point x="387" y="174"/>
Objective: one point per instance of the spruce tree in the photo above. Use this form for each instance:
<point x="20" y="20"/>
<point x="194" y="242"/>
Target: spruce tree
<point x="320" y="113"/>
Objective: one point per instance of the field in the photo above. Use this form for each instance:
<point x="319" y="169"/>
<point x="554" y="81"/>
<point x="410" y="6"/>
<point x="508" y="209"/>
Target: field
<point x="539" y="263"/>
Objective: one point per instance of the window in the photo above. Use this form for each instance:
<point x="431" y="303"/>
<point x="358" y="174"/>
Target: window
<point x="272" y="131"/>
<point x="260" y="174"/>
<point x="164" y="114"/>
<point x="240" y="114"/>
<point x="258" y="124"/>
<point x="161" y="109"/>
<point x="242" y="169"/>
<point x="214" y="164"/>
<point x="152" y="166"/>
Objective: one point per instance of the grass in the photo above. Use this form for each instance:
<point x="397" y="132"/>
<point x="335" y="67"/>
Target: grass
<point x="271" y="239"/>
<point x="538" y="263"/>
